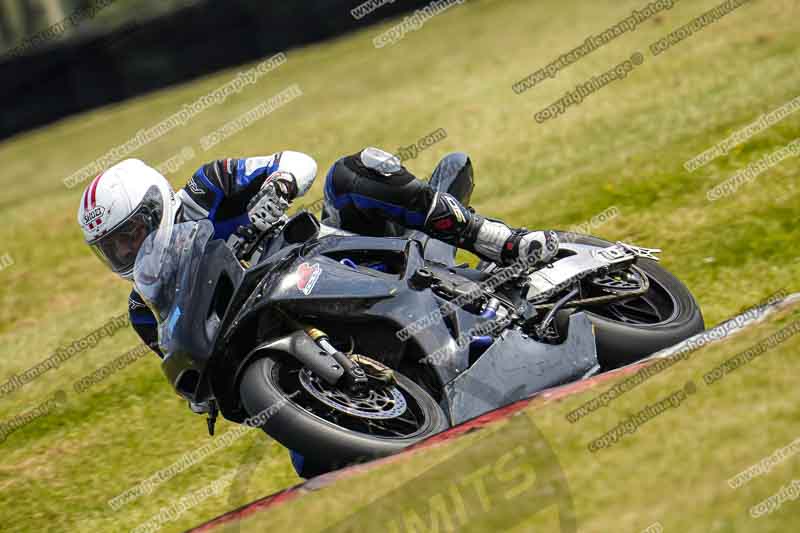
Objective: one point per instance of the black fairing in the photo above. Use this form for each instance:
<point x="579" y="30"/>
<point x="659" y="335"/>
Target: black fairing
<point x="342" y="293"/>
<point x="214" y="333"/>
<point x="224" y="296"/>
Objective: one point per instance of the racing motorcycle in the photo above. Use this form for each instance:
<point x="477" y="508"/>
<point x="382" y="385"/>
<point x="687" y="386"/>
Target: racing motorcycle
<point x="357" y="347"/>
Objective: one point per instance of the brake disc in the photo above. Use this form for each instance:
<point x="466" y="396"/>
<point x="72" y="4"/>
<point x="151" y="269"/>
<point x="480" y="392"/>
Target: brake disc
<point x="378" y="403"/>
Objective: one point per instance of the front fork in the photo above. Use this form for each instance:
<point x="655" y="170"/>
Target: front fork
<point x="353" y="373"/>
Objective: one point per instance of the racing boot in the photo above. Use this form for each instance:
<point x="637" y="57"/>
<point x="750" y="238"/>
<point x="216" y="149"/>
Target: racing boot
<point x="449" y="221"/>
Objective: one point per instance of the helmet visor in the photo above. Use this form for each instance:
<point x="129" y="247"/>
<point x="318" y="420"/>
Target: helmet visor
<point x="118" y="248"/>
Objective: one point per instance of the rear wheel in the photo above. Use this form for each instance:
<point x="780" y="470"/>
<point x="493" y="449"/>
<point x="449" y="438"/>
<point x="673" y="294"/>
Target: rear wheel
<point x="331" y="426"/>
<point x="632" y="329"/>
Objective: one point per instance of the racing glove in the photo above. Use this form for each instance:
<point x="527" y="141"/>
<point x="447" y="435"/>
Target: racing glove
<point x="269" y="204"/>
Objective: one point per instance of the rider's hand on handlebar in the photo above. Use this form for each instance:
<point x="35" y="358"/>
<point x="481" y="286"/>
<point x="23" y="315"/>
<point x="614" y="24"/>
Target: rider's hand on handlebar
<point x="270" y="203"/>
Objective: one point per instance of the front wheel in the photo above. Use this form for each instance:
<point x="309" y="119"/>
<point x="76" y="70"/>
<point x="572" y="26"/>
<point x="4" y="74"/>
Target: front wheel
<point x="331" y="426"/>
<point x="632" y="329"/>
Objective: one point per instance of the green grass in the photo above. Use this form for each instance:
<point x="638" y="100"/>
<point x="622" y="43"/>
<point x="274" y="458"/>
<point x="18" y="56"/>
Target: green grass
<point x="624" y="146"/>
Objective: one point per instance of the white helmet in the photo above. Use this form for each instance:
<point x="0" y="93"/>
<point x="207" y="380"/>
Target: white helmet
<point x="121" y="207"/>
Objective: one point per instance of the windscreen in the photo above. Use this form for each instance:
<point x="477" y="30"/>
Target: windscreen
<point x="166" y="268"/>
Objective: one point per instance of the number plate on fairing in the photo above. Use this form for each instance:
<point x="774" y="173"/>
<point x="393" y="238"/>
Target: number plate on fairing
<point x="621" y="251"/>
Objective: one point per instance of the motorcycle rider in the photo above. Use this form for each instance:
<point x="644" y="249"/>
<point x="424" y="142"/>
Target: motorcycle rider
<point x="369" y="192"/>
<point x="119" y="209"/>
<point x="372" y="193"/>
